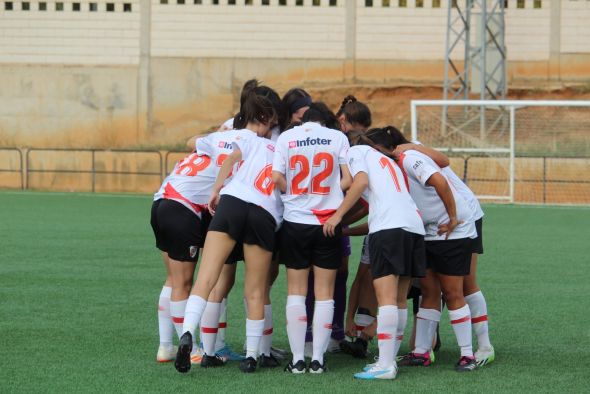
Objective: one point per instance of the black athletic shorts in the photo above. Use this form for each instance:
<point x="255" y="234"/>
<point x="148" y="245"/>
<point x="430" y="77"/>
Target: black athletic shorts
<point x="237" y="254"/>
<point x="397" y="252"/>
<point x="304" y="245"/>
<point x="450" y="257"/>
<point x="477" y="243"/>
<point x="246" y="223"/>
<point x="177" y="230"/>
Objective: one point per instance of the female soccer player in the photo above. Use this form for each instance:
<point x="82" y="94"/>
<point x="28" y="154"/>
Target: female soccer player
<point x="473" y="296"/>
<point x="177" y="216"/>
<point x="449" y="231"/>
<point x="295" y="102"/>
<point x="396" y="242"/>
<point x="247" y="211"/>
<point x="307" y="167"/>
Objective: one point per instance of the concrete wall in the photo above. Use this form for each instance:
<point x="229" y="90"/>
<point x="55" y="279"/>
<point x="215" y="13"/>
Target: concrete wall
<point x="145" y="72"/>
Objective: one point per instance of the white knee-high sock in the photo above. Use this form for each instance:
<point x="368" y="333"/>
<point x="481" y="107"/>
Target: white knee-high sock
<point x="479" y="318"/>
<point x="165" y="325"/>
<point x="362" y="321"/>
<point x="220" y="339"/>
<point x="209" y="327"/>
<point x="461" y="322"/>
<point x="402" y="320"/>
<point x="193" y="313"/>
<point x="296" y="325"/>
<point x="177" y="309"/>
<point x="387" y="320"/>
<point x="254" y="330"/>
<point x="322" y="328"/>
<point x="426" y="322"/>
<point x="266" y="340"/>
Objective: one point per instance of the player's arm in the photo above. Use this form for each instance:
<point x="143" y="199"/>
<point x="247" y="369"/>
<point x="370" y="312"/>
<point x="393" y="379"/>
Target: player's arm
<point x="359" y="184"/>
<point x="345" y="177"/>
<point x="224" y="171"/>
<point x="361" y="229"/>
<point x="280" y="181"/>
<point x="439" y="158"/>
<point x="440" y="184"/>
<point x="356" y="213"/>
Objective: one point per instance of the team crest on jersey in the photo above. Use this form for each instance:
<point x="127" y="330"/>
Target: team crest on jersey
<point x="193" y="250"/>
<point x="271" y="147"/>
<point x="309" y="142"/>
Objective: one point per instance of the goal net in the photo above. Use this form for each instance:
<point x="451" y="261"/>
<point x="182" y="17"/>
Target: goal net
<point x="512" y="150"/>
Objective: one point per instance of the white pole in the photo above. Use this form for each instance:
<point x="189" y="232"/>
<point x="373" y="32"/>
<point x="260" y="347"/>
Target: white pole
<point x="512" y="146"/>
<point x="414" y="121"/>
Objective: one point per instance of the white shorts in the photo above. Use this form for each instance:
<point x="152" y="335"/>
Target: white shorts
<point x="365" y="258"/>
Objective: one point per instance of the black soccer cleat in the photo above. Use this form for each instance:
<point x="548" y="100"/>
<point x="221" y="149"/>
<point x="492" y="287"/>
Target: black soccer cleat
<point x="466" y="364"/>
<point x="265" y="361"/>
<point x="183" y="355"/>
<point x="248" y="365"/>
<point x="298" y="368"/>
<point x="316" y="367"/>
<point x="359" y="348"/>
<point x="211" y="361"/>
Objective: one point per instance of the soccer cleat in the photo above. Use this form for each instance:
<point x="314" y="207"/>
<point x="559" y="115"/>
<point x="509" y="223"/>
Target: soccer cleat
<point x="248" y="365"/>
<point x="358" y="348"/>
<point x="484" y="356"/>
<point x="212" y="361"/>
<point x="316" y="367"/>
<point x="229" y="355"/>
<point x="279" y="354"/>
<point x="466" y="364"/>
<point x="333" y="346"/>
<point x="197" y="356"/>
<point x="298" y="368"/>
<point x="416" y="359"/>
<point x="369" y="366"/>
<point x="166" y="354"/>
<point x="265" y="361"/>
<point x="183" y="355"/>
<point x="378" y="373"/>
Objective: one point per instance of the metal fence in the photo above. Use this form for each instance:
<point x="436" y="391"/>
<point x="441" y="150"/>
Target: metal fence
<point x="50" y="165"/>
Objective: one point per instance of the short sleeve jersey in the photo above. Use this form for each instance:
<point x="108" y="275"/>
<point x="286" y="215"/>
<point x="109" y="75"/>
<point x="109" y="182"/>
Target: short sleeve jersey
<point x="419" y="168"/>
<point x="310" y="156"/>
<point x="192" y="178"/>
<point x="390" y="203"/>
<point x="462" y="189"/>
<point x="252" y="182"/>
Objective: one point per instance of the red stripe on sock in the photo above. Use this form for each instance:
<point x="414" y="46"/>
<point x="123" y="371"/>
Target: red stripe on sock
<point x="177" y="319"/>
<point x="360" y="328"/>
<point x="209" y="330"/>
<point x="328" y="326"/>
<point x="302" y="318"/>
<point x="479" y="319"/>
<point x="399" y="337"/>
<point x="384" y="336"/>
<point x="161" y="308"/>
<point x="268" y="331"/>
<point x="461" y="320"/>
<point x="222" y="325"/>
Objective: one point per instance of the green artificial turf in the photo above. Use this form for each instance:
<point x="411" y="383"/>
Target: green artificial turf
<point x="80" y="279"/>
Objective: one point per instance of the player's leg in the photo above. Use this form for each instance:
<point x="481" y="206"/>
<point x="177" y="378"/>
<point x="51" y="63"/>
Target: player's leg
<point x="477" y="303"/>
<point x="324" y="281"/>
<point x="296" y="316"/>
<point x="340" y="298"/>
<point x="166" y="350"/>
<point x="402" y="310"/>
<point x="257" y="263"/>
<point x="267" y="358"/>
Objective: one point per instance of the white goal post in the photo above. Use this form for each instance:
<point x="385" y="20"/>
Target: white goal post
<point x="512" y="150"/>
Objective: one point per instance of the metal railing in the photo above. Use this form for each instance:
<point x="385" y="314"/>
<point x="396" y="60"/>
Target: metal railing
<point x="28" y="165"/>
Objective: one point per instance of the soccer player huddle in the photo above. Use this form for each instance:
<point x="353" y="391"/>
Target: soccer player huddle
<point x="283" y="182"/>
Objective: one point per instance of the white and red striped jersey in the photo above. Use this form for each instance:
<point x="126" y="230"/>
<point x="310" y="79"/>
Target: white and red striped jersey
<point x="390" y="203"/>
<point x="419" y="168"/>
<point x="192" y="178"/>
<point x="252" y="182"/>
<point x="310" y="156"/>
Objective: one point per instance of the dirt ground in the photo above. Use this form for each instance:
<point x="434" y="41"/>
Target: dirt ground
<point x="391" y="105"/>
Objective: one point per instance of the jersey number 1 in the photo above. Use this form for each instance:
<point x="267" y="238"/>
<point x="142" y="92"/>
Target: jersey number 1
<point x="387" y="163"/>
